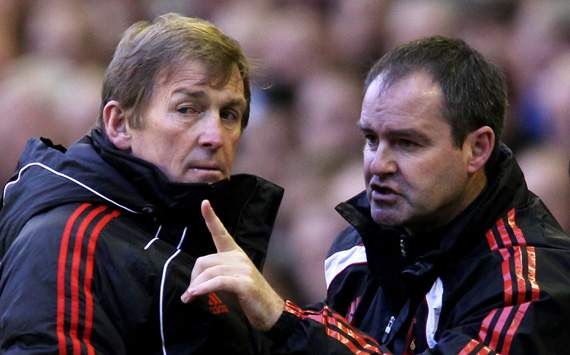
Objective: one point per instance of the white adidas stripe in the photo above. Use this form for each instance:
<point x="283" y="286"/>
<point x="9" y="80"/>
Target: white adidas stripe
<point x="339" y="261"/>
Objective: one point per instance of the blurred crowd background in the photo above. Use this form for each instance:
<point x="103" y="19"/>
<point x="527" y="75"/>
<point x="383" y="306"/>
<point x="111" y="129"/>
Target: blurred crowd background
<point x="310" y="58"/>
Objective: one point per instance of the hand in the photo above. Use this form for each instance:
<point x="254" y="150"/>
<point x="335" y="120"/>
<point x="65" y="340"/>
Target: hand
<point x="230" y="269"/>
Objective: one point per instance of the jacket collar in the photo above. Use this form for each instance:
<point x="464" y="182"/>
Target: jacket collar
<point x="164" y="199"/>
<point x="246" y="204"/>
<point x="425" y="253"/>
<point x="93" y="170"/>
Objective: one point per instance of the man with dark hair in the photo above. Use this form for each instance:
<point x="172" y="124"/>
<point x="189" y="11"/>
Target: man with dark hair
<point x="97" y="242"/>
<point x="448" y="252"/>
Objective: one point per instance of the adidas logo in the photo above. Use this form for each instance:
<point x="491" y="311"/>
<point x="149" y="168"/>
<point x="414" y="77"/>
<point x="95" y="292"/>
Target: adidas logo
<point x="215" y="304"/>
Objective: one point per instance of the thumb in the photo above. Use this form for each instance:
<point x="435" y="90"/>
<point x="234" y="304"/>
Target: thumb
<point x="222" y="239"/>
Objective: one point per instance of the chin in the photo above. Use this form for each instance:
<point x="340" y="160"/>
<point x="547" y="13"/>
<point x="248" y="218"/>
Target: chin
<point x="387" y="218"/>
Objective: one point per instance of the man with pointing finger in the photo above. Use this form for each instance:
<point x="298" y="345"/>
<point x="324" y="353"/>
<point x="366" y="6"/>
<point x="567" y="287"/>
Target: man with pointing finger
<point x="97" y="242"/>
<point x="448" y="252"/>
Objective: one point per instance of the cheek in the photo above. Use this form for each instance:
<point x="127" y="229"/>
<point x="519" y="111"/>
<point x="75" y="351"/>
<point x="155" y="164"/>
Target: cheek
<point x="166" y="148"/>
<point x="231" y="143"/>
<point x="367" y="174"/>
<point x="440" y="178"/>
<point x="367" y="159"/>
<point x="421" y="181"/>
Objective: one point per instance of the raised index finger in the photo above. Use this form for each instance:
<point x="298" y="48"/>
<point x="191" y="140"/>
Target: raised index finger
<point x="222" y="239"/>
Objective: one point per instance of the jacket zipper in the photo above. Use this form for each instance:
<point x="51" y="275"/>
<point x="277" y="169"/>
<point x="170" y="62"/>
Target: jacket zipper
<point x="388" y="329"/>
<point x="403" y="246"/>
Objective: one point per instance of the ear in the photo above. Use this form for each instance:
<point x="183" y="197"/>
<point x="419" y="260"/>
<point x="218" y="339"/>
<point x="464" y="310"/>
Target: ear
<point x="479" y="144"/>
<point x="117" y="125"/>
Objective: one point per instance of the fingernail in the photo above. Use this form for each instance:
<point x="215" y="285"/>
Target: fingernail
<point x="185" y="297"/>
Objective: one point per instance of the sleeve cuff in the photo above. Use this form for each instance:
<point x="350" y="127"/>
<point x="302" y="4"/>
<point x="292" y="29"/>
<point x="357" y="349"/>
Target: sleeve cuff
<point x="284" y="326"/>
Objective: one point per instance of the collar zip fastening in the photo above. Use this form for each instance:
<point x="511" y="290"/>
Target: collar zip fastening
<point x="403" y="245"/>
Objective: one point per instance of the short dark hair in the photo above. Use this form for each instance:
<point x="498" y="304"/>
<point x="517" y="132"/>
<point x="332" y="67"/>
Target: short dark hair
<point x="474" y="89"/>
<point x="147" y="50"/>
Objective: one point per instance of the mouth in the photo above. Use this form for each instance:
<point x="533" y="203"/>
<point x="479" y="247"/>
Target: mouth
<point x="205" y="166"/>
<point x="383" y="194"/>
<point x="384" y="189"/>
<point x="202" y="168"/>
<point x="206" y="172"/>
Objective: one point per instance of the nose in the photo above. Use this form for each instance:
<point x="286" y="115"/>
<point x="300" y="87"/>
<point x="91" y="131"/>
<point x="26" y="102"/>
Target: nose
<point x="211" y="135"/>
<point x="383" y="161"/>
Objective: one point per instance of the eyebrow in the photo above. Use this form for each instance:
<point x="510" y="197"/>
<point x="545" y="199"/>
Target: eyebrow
<point x="410" y="133"/>
<point x="400" y="133"/>
<point x="201" y="95"/>
<point x="198" y="94"/>
<point x="237" y="102"/>
<point x="362" y="126"/>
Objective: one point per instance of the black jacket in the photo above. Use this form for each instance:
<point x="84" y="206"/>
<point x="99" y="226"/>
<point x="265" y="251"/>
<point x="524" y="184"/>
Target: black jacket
<point x="494" y="280"/>
<point x="96" y="248"/>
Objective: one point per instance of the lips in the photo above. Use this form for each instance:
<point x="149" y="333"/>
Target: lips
<point x="207" y="174"/>
<point x="205" y="171"/>
<point x="383" y="194"/>
<point x="384" y="189"/>
<point x="205" y="166"/>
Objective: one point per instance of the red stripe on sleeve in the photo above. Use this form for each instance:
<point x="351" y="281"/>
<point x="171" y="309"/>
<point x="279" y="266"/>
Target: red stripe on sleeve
<point x="518" y="233"/>
<point x="293" y="309"/>
<point x="364" y="341"/>
<point x="491" y="240"/>
<point x="500" y="326"/>
<point x="327" y="319"/>
<point x="514" y="327"/>
<point x="521" y="282"/>
<point x="343" y="338"/>
<point x="504" y="234"/>
<point x="89" y="278"/>
<point x="505" y="266"/>
<point x="507" y="280"/>
<point x="485" y="326"/>
<point x="61" y="263"/>
<point x="75" y="264"/>
<point x="469" y="347"/>
<point x="531" y="253"/>
<point x="532" y="273"/>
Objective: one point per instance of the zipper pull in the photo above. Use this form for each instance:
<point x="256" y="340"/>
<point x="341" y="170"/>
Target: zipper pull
<point x="388" y="329"/>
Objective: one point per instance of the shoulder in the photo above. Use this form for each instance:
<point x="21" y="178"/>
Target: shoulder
<point x="71" y="219"/>
<point x="85" y="237"/>
<point x="51" y="241"/>
<point x="520" y="257"/>
<point x="529" y="225"/>
<point x="50" y="232"/>
<point x="535" y="220"/>
<point x="346" y="240"/>
<point x="346" y="253"/>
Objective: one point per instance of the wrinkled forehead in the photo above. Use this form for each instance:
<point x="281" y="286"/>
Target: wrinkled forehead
<point x="413" y="95"/>
<point x="201" y="72"/>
